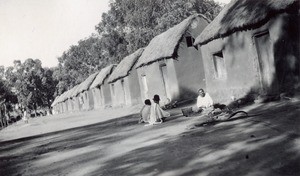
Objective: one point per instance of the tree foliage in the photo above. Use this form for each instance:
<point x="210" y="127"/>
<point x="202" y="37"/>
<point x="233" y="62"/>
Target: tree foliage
<point x="133" y="23"/>
<point x="32" y="84"/>
<point x="6" y="94"/>
<point x="126" y="27"/>
<point x="76" y="64"/>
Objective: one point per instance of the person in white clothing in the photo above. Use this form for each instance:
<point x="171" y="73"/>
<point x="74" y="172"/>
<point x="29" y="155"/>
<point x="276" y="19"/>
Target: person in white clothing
<point x="25" y="116"/>
<point x="204" y="101"/>
<point x="157" y="115"/>
<point x="145" y="112"/>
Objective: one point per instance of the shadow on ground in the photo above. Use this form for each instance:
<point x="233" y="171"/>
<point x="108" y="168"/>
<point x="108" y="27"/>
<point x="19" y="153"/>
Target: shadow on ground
<point x="266" y="144"/>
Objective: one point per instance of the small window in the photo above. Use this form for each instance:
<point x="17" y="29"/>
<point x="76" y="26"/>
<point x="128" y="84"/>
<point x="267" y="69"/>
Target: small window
<point x="80" y="100"/>
<point x="113" y="89"/>
<point x="122" y="84"/>
<point x="219" y="65"/>
<point x="190" y="42"/>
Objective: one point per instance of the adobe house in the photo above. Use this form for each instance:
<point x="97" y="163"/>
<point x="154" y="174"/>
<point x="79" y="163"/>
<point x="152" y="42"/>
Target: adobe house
<point x="61" y="106"/>
<point x="100" y="88"/>
<point x="62" y="103"/>
<point x="124" y="82"/>
<point x="170" y="65"/>
<point x="76" y="100"/>
<point x="72" y="100"/>
<point x="67" y="100"/>
<point x="252" y="47"/>
<point x="64" y="107"/>
<point x="83" y="93"/>
<point x="56" y="106"/>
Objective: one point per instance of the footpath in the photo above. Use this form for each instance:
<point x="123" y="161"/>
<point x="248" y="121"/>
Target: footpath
<point x="53" y="123"/>
<point x="111" y="142"/>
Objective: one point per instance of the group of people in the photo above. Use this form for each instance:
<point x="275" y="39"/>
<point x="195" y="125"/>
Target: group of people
<point x="152" y="113"/>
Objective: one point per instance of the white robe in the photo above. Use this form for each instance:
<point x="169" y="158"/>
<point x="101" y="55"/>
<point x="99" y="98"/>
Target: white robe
<point x="204" y="102"/>
<point x="156" y="113"/>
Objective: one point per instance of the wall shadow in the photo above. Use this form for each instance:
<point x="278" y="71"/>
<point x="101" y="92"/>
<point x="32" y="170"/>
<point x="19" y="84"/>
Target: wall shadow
<point x="256" y="145"/>
<point x="239" y="147"/>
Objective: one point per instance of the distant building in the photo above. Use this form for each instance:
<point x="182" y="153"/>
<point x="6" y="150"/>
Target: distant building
<point x="74" y="100"/>
<point x="100" y="88"/>
<point x="58" y="104"/>
<point x="67" y="101"/>
<point x="84" y="94"/>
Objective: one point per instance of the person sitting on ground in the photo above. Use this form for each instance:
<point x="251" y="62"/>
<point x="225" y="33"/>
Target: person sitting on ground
<point x="145" y="112"/>
<point x="204" y="101"/>
<point x="157" y="114"/>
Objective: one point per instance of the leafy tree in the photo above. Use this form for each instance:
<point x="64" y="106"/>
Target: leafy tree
<point x="2" y="72"/>
<point x="28" y="83"/>
<point x="7" y="97"/>
<point x="131" y="24"/>
<point x="48" y="87"/>
<point x="33" y="85"/>
<point x="6" y="94"/>
<point x="80" y="61"/>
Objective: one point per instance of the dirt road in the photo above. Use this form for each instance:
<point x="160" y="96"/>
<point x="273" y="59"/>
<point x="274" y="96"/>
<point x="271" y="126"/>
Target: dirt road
<point x="267" y="143"/>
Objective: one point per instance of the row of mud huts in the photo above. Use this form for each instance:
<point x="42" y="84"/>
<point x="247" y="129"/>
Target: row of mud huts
<point x="251" y="47"/>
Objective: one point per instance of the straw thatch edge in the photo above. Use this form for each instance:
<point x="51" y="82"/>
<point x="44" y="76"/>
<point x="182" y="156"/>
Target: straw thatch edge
<point x="200" y="41"/>
<point x="131" y="67"/>
<point x="107" y="75"/>
<point x="174" y="53"/>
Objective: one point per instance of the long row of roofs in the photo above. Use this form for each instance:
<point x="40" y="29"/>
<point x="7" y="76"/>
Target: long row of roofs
<point x="236" y="16"/>
<point x="94" y="80"/>
<point x="161" y="46"/>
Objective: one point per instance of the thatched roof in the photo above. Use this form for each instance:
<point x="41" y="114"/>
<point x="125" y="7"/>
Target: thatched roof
<point x="125" y="66"/>
<point x="54" y="101"/>
<point x="73" y="92"/>
<point x="240" y="15"/>
<point x="66" y="95"/>
<point x="59" y="99"/>
<point x="85" y="85"/>
<point x="102" y="76"/>
<point x="165" y="44"/>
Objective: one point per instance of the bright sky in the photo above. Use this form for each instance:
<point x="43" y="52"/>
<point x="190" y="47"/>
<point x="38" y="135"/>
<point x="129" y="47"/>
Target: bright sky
<point x="44" y="29"/>
<point x="223" y="1"/>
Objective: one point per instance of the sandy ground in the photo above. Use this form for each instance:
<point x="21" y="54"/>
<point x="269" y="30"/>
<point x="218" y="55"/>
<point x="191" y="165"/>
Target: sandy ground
<point x="111" y="142"/>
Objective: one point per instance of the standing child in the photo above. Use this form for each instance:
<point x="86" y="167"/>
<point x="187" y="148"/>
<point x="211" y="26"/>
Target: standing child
<point x="25" y="116"/>
<point x="145" y="112"/>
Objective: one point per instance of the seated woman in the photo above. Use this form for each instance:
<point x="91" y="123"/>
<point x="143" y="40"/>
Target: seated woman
<point x="145" y="112"/>
<point x="157" y="114"/>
